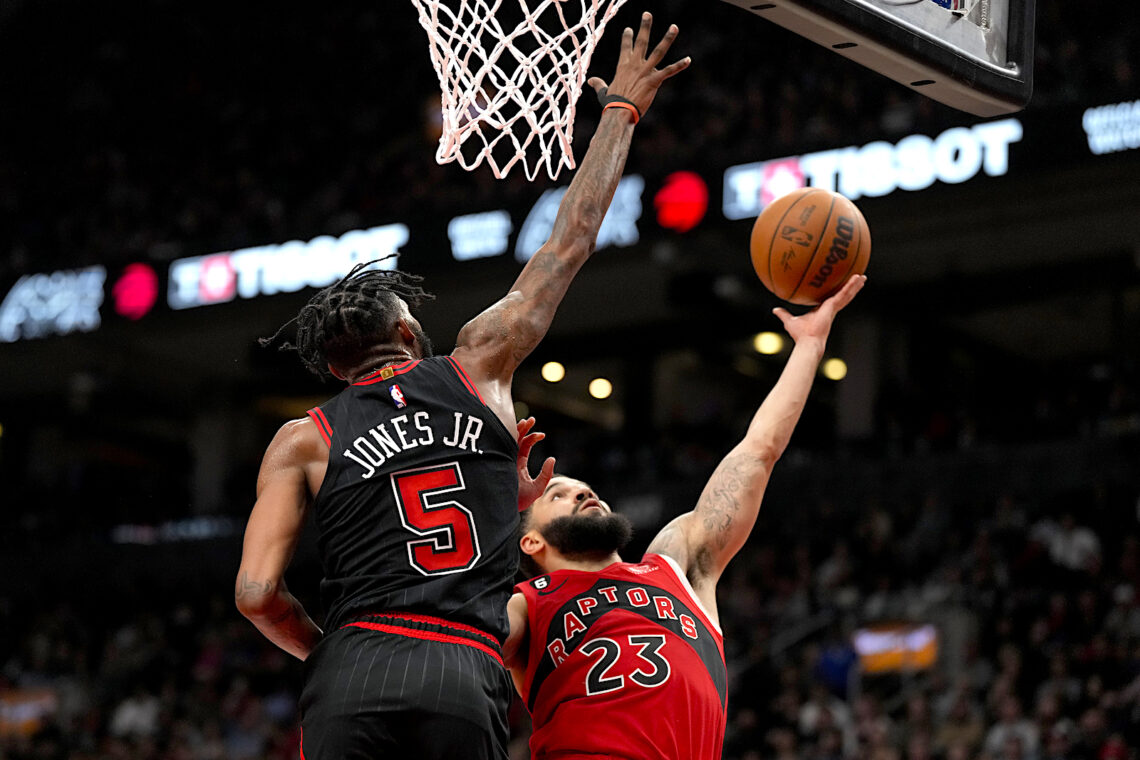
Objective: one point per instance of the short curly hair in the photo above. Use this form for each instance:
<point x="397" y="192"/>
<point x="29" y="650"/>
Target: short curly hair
<point x="343" y="321"/>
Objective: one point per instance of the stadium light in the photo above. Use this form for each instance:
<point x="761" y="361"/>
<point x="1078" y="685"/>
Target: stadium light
<point x="601" y="388"/>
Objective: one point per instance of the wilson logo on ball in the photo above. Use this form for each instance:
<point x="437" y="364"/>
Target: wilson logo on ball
<point x="844" y="231"/>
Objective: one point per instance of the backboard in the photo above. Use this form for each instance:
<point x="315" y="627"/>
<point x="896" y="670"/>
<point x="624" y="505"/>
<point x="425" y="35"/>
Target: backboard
<point x="973" y="55"/>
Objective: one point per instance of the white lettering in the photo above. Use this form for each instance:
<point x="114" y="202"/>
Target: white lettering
<point x="384" y="438"/>
<point x="420" y="419"/>
<point x="1112" y="128"/>
<point x="957" y="155"/>
<point x="619" y="226"/>
<point x="455" y="432"/>
<point x="742" y="190"/>
<point x="367" y="465"/>
<point x="477" y="236"/>
<point x="397" y="422"/>
<point x="880" y="168"/>
<point x="822" y="169"/>
<point x="471" y="433"/>
<point x="914" y="171"/>
<point x="285" y="268"/>
<point x="996" y="137"/>
<point x="39" y="305"/>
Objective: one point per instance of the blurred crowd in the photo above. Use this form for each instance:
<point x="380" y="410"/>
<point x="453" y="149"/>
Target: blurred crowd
<point x="1035" y="597"/>
<point x="164" y="130"/>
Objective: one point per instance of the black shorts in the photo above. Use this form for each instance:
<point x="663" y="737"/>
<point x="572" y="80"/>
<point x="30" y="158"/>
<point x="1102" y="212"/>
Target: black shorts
<point x="373" y="692"/>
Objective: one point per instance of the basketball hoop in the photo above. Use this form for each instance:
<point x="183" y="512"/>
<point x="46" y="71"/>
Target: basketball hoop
<point x="508" y="93"/>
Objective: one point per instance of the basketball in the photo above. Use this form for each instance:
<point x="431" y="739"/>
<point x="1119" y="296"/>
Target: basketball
<point x="807" y="243"/>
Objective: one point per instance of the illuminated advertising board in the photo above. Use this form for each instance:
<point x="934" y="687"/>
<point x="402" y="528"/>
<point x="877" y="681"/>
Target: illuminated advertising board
<point x="879" y="168"/>
<point x="57" y="303"/>
<point x="285" y="268"/>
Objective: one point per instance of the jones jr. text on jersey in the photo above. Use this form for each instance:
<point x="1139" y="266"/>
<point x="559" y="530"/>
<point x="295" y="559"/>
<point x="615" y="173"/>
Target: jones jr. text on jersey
<point x="402" y="433"/>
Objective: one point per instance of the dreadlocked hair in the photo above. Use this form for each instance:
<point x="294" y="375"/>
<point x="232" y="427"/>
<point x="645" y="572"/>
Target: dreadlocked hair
<point x="343" y="321"/>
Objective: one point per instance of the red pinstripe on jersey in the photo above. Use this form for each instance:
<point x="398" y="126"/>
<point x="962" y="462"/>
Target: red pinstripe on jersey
<point x="322" y="425"/>
<point x="428" y="635"/>
<point x="466" y="380"/>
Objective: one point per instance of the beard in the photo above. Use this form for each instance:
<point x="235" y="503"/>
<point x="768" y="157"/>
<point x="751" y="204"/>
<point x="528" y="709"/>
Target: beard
<point x="588" y="536"/>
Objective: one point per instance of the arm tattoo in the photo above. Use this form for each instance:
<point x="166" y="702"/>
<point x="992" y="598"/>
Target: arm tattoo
<point x="670" y="542"/>
<point x="719" y="507"/>
<point x="252" y="588"/>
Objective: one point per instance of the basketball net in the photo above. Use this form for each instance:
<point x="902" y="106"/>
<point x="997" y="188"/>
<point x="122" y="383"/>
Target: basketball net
<point x="508" y="94"/>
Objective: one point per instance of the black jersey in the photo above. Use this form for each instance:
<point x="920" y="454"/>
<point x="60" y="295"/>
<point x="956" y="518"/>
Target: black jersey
<point x="418" y="510"/>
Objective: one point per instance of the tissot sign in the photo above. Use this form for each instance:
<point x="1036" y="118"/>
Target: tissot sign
<point x="285" y="268"/>
<point x="876" y="169"/>
<point x="71" y="301"/>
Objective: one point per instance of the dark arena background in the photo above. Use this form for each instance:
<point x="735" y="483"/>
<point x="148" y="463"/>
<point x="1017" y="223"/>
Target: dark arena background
<point x="947" y="563"/>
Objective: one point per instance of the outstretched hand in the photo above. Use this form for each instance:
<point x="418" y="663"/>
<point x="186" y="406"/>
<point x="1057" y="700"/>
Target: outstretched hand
<point x="530" y="488"/>
<point x="637" y="77"/>
<point x="817" y="322"/>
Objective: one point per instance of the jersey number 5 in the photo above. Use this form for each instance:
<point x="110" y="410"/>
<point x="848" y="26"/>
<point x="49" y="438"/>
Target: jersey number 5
<point x="599" y="679"/>
<point x="450" y="543"/>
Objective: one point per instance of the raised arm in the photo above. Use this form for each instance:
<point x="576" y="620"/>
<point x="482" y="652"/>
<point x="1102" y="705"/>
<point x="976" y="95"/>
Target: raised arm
<point x="704" y="540"/>
<point x="294" y="461"/>
<point x="493" y="344"/>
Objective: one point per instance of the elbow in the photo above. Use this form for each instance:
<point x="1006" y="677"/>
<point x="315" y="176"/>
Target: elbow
<point x="255" y="600"/>
<point x="767" y="451"/>
<point x="247" y="607"/>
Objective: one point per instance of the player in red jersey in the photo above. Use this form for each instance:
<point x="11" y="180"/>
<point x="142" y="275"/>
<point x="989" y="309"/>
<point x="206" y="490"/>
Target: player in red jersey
<point x="626" y="660"/>
<point x="410" y="475"/>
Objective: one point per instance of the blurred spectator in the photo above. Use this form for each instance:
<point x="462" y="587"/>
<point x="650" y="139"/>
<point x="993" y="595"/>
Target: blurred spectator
<point x="1014" y="736"/>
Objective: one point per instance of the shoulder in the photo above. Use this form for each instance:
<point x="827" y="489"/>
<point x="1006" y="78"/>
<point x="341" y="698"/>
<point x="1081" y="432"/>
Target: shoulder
<point x="296" y="441"/>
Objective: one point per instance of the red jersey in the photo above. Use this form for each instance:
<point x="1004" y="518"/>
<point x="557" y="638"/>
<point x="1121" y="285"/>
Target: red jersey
<point x="624" y="663"/>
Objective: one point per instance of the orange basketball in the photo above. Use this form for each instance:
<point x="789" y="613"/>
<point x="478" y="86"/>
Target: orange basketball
<point x="807" y="243"/>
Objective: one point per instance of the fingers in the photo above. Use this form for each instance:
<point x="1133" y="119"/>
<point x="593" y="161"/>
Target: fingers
<point x="673" y="69"/>
<point x="524" y="427"/>
<point x="641" y="44"/>
<point x="663" y="46"/>
<point x="784" y="315"/>
<point x="547" y="472"/>
<point x="527" y="443"/>
<point x="850" y="288"/>
<point x="599" y="85"/>
<point x="627" y="41"/>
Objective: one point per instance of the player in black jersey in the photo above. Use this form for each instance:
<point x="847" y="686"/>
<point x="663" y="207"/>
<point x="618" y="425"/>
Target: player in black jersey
<point x="410" y="472"/>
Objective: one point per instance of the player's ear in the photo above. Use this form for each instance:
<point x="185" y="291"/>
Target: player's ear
<point x="531" y="543"/>
<point x="404" y="330"/>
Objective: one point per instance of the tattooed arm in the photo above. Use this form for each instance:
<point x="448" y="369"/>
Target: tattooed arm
<point x="704" y="540"/>
<point x="492" y="345"/>
<point x="293" y="463"/>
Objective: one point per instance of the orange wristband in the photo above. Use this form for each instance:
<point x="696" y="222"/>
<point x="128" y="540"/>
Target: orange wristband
<point x="627" y="106"/>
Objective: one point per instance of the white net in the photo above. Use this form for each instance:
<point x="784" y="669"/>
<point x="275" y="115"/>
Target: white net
<point x="510" y="88"/>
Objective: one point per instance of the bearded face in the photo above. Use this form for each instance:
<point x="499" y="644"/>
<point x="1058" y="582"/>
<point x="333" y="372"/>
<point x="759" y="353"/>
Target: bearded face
<point x="589" y="534"/>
